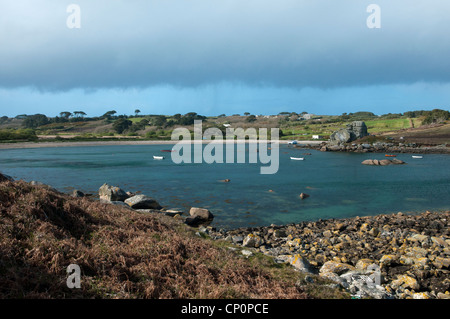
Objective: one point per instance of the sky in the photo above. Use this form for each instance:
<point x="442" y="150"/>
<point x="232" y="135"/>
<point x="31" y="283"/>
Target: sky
<point x="223" y="56"/>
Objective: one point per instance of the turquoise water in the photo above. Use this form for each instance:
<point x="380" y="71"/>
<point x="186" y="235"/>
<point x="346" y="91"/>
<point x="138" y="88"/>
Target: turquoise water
<point x="338" y="185"/>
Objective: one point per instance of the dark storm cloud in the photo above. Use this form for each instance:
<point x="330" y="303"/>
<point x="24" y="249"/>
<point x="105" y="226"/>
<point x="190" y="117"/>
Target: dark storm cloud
<point x="283" y="43"/>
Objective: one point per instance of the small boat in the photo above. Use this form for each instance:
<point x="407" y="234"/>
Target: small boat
<point x="158" y="157"/>
<point x="417" y="156"/>
<point x="389" y="155"/>
<point x="292" y="142"/>
<point x="297" y="158"/>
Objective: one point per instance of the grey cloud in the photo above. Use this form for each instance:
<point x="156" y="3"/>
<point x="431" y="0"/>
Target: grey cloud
<point x="283" y="43"/>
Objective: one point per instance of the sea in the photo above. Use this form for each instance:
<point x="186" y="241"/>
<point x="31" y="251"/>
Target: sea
<point x="338" y="185"/>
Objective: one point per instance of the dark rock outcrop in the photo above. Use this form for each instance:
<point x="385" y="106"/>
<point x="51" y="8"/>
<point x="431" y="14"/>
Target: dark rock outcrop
<point x="353" y="131"/>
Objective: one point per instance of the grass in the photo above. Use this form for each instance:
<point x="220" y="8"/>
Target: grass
<point x="121" y="253"/>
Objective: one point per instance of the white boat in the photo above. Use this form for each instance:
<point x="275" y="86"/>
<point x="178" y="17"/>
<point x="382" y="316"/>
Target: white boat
<point x="297" y="158"/>
<point x="158" y="157"/>
<point x="417" y="156"/>
<point x="292" y="142"/>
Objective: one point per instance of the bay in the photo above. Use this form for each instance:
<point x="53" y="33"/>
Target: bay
<point x="338" y="184"/>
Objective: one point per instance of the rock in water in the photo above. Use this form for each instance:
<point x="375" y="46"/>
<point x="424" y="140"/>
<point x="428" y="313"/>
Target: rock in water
<point x="142" y="202"/>
<point x="303" y="195"/>
<point x="382" y="162"/>
<point x="4" y="177"/>
<point x="111" y="193"/>
<point x="199" y="216"/>
<point x="201" y="213"/>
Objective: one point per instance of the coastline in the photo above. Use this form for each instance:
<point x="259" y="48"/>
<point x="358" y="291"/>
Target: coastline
<point x="404" y="255"/>
<point x="409" y="252"/>
<point x="111" y="143"/>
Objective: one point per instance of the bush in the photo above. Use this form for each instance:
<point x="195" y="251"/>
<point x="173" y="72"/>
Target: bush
<point x="436" y="116"/>
<point x="18" y="135"/>
<point x="121" y="125"/>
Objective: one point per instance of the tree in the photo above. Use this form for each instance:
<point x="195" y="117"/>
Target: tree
<point x="250" y="119"/>
<point x="109" y="114"/>
<point x="436" y="116"/>
<point x="136" y="112"/>
<point x="65" y="114"/>
<point x="246" y="113"/>
<point x="79" y="114"/>
<point x="36" y="120"/>
<point x="160" y="120"/>
<point x="121" y="125"/>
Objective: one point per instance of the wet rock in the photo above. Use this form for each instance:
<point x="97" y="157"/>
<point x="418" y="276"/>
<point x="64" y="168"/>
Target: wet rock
<point x="142" y="202"/>
<point x="201" y="213"/>
<point x="112" y="193"/>
<point x="172" y="212"/>
<point x="4" y="177"/>
<point x="303" y="195"/>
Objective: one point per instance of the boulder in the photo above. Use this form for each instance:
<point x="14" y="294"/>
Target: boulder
<point x="359" y="129"/>
<point x="198" y="216"/>
<point x="172" y="212"/>
<point x="354" y="131"/>
<point x="194" y="221"/>
<point x="77" y="193"/>
<point x="4" y="178"/>
<point x="336" y="268"/>
<point x="342" y="136"/>
<point x="253" y="241"/>
<point x="112" y="193"/>
<point x="300" y="263"/>
<point x="201" y="213"/>
<point x="368" y="162"/>
<point x="405" y="281"/>
<point x="142" y="202"/>
<point x="303" y="195"/>
<point x="383" y="162"/>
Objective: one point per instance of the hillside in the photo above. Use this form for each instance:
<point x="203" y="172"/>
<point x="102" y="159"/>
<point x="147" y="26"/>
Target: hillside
<point x="427" y="127"/>
<point x="123" y="254"/>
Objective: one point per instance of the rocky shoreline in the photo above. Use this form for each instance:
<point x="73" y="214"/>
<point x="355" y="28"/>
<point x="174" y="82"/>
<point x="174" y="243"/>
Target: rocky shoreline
<point x="386" y="256"/>
<point x="378" y="147"/>
<point x="395" y="256"/>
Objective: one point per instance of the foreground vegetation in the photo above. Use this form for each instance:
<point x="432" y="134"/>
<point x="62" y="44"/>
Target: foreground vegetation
<point x="124" y="254"/>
